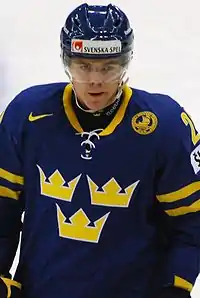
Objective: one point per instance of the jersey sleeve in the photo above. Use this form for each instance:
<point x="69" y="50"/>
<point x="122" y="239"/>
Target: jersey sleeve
<point x="11" y="192"/>
<point x="178" y="194"/>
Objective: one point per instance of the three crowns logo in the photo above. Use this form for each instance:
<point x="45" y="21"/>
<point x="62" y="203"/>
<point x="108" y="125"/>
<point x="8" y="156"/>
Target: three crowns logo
<point x="111" y="196"/>
<point x="55" y="187"/>
<point x="79" y="226"/>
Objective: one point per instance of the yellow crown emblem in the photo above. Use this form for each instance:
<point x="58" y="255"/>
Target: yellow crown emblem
<point x="111" y="195"/>
<point x="55" y="187"/>
<point x="78" y="228"/>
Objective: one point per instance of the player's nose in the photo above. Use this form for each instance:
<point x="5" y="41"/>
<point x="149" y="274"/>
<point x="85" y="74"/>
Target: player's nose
<point x="96" y="77"/>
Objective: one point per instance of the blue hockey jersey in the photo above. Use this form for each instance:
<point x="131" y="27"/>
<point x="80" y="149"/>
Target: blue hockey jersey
<point x="111" y="213"/>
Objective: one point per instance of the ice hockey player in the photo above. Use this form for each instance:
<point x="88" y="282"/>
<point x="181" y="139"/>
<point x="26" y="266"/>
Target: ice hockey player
<point x="107" y="177"/>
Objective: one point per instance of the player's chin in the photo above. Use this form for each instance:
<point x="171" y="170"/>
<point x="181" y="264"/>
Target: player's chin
<point x="95" y="106"/>
<point x="96" y="102"/>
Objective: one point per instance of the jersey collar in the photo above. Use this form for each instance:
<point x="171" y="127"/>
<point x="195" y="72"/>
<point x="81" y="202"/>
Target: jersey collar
<point x="67" y="96"/>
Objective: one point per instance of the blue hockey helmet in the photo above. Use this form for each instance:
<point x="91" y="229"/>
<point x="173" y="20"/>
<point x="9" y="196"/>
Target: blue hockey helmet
<point x="96" y="31"/>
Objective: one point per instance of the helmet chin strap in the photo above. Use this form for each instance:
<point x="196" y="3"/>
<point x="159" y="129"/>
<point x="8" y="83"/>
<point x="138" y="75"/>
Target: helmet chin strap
<point x="118" y="94"/>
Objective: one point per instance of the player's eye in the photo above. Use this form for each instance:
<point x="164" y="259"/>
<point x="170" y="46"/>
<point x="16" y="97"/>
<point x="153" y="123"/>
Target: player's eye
<point x="85" y="67"/>
<point x="108" y="68"/>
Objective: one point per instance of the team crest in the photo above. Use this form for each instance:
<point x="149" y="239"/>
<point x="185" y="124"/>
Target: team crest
<point x="144" y="123"/>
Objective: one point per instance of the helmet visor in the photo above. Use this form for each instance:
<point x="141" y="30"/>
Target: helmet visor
<point x="86" y="70"/>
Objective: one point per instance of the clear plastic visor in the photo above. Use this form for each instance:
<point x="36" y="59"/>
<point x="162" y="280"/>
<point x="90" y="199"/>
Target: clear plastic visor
<point x="92" y="70"/>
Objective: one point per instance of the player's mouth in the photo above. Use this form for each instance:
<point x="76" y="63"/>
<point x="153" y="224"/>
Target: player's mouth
<point x="95" y="94"/>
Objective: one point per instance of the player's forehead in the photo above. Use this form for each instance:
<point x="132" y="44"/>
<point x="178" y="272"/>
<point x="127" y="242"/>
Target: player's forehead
<point x="99" y="61"/>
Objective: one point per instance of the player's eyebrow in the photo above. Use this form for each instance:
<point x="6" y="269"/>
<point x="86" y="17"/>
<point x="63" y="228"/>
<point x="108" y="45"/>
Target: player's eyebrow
<point x="89" y="61"/>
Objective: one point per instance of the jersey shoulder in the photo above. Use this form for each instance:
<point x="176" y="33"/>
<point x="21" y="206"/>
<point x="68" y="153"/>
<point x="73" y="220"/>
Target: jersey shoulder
<point x="175" y="125"/>
<point x="35" y="100"/>
<point x="167" y="110"/>
<point x="163" y="105"/>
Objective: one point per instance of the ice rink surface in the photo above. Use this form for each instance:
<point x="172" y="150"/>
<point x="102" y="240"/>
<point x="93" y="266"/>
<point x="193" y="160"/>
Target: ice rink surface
<point x="166" y="57"/>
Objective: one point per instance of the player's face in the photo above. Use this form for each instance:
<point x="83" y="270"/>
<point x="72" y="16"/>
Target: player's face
<point x="95" y="81"/>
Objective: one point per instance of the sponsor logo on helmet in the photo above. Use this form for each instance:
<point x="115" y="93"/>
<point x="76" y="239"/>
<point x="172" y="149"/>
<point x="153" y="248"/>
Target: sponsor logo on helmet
<point x="144" y="123"/>
<point x="96" y="46"/>
<point x="77" y="46"/>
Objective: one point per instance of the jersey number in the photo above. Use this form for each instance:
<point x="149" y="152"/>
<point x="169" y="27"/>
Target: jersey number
<point x="187" y="121"/>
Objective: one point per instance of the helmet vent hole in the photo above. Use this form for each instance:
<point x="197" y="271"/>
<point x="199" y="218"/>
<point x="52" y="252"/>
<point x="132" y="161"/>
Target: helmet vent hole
<point x="76" y="21"/>
<point x="117" y="23"/>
